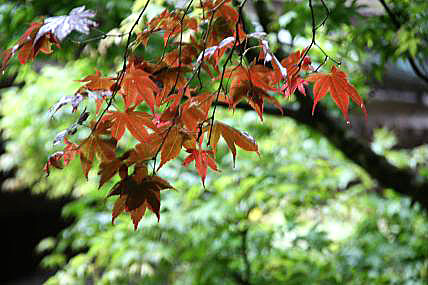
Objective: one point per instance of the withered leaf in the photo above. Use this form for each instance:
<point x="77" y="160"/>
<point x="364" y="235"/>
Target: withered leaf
<point x="232" y="137"/>
<point x="95" y="144"/>
<point x="136" y="195"/>
<point x="62" y="26"/>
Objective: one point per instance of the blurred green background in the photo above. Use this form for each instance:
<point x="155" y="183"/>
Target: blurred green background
<point x="301" y="213"/>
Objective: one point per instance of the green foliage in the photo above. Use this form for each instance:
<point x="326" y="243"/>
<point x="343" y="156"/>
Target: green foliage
<point x="16" y="16"/>
<point x="272" y="218"/>
<point x="29" y="130"/>
<point x="357" y="36"/>
<point x="298" y="214"/>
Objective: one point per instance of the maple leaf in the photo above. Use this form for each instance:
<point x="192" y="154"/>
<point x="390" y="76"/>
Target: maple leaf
<point x="54" y="160"/>
<point x="131" y="120"/>
<point x="175" y="25"/>
<point x="172" y="23"/>
<point x="177" y="58"/>
<point x="170" y="78"/>
<point x="146" y="151"/>
<point x="225" y="19"/>
<point x="96" y="82"/>
<point x="70" y="151"/>
<point x="108" y="169"/>
<point x="251" y="87"/>
<point x="252" y="84"/>
<point x="193" y="112"/>
<point x="62" y="26"/>
<point x="28" y="48"/>
<point x="41" y="35"/>
<point x="295" y="83"/>
<point x="292" y="62"/>
<point x="171" y="146"/>
<point x="136" y="194"/>
<point x="137" y="87"/>
<point x="60" y="159"/>
<point x="232" y="137"/>
<point x="96" y="145"/>
<point x="340" y="89"/>
<point x="203" y="160"/>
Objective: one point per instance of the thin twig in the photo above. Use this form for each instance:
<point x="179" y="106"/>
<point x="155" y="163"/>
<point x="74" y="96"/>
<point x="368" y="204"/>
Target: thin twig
<point x="122" y="72"/>
<point x="175" y="83"/>
<point x="235" y="44"/>
<point x="411" y="59"/>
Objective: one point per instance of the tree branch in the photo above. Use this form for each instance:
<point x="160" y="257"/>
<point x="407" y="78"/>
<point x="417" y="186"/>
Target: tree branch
<point x="8" y="82"/>
<point x="411" y="60"/>
<point x="403" y="181"/>
<point x="244" y="253"/>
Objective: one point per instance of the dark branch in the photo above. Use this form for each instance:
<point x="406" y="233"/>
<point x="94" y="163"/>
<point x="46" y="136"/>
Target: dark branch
<point x="403" y="181"/>
<point x="244" y="253"/>
<point x="8" y="82"/>
<point x="410" y="58"/>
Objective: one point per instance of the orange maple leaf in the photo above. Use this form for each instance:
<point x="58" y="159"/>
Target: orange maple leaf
<point x="137" y="86"/>
<point x="96" y="82"/>
<point x="131" y="120"/>
<point x="252" y="84"/>
<point x="340" y="89"/>
<point x="95" y="144"/>
<point x="202" y="160"/>
<point x="171" y="147"/>
<point x="232" y="137"/>
<point x="171" y="78"/>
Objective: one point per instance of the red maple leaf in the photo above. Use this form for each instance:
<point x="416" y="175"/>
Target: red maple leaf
<point x="132" y="120"/>
<point x="252" y="84"/>
<point x="232" y="137"/>
<point x="336" y="82"/>
<point x="202" y="160"/>
<point x="137" y="86"/>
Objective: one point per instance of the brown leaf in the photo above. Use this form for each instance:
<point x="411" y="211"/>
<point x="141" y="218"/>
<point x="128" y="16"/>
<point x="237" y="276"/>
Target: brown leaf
<point x="96" y="145"/>
<point x="232" y="137"/>
<point x="136" y="195"/>
<point x="171" y="146"/>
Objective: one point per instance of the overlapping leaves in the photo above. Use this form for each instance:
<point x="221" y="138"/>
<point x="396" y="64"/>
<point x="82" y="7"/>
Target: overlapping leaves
<point x="160" y="105"/>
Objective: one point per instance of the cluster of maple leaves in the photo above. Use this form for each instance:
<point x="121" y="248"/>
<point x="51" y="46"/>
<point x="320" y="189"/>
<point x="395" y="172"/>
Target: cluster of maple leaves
<point x="178" y="116"/>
